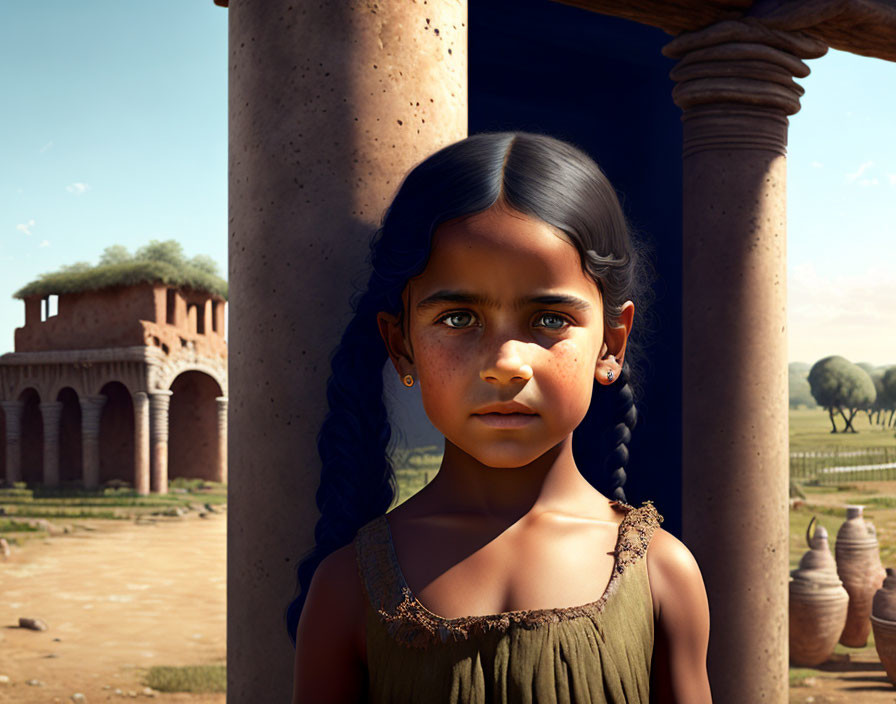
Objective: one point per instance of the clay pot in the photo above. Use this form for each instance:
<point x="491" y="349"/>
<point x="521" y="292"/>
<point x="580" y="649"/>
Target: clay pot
<point x="883" y="621"/>
<point x="818" y="603"/>
<point x="862" y="574"/>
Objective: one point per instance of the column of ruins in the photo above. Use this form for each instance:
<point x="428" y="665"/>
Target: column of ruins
<point x="158" y="432"/>
<point x="141" y="443"/>
<point x="330" y="105"/>
<point x="221" y="463"/>
<point x="51" y="411"/>
<point x="735" y="86"/>
<point x="91" y="412"/>
<point x="13" y="412"/>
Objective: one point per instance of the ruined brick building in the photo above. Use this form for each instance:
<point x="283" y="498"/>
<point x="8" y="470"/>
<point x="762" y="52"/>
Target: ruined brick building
<point x="128" y="382"/>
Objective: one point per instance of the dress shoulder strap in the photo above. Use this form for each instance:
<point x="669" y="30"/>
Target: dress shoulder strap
<point x="635" y="532"/>
<point x="373" y="554"/>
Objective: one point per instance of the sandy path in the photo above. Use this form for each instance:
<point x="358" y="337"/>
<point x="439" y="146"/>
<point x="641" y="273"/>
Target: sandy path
<point x="118" y="599"/>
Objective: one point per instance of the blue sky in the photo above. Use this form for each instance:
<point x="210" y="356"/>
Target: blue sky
<point x="115" y="132"/>
<point x="841" y="235"/>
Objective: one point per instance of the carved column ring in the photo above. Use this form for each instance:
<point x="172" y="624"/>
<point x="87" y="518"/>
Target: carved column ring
<point x="745" y="30"/>
<point x="736" y="91"/>
<point x="747" y="53"/>
<point x="755" y="70"/>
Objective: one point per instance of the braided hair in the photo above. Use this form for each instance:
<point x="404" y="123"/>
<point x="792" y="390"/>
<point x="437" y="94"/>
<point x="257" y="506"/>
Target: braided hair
<point x="536" y="175"/>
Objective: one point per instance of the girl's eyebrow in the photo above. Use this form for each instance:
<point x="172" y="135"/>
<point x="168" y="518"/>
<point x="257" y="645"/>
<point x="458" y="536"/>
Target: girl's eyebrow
<point x="550" y="299"/>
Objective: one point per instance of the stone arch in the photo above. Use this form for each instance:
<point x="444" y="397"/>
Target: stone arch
<point x="67" y="381"/>
<point x="167" y="376"/>
<point x="24" y="385"/>
<point x="193" y="426"/>
<point x="70" y="448"/>
<point x="116" y="439"/>
<point x="32" y="424"/>
<point x="114" y="380"/>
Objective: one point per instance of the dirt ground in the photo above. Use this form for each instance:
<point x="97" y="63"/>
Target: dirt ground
<point x="860" y="679"/>
<point x="117" y="599"/>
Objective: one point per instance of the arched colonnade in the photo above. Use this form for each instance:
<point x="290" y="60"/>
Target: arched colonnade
<point x="94" y="419"/>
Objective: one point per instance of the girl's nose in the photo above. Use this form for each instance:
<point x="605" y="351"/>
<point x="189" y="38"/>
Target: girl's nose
<point x="508" y="367"/>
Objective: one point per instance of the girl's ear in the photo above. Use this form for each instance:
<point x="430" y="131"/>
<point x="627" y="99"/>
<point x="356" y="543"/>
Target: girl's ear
<point x="612" y="353"/>
<point x="396" y="346"/>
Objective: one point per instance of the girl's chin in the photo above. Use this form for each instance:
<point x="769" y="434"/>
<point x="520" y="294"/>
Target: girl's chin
<point x="502" y="460"/>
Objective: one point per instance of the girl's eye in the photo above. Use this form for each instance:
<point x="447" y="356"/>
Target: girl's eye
<point x="553" y="321"/>
<point x="553" y="316"/>
<point x="457" y="314"/>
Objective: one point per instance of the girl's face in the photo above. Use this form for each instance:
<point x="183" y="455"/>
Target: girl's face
<point x="504" y="313"/>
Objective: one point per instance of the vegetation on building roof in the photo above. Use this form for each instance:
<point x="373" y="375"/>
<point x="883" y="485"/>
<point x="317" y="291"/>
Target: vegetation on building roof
<point x="157" y="262"/>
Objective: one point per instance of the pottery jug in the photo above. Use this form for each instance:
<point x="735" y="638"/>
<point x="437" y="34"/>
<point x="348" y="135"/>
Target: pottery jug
<point x="883" y="621"/>
<point x="860" y="570"/>
<point x="818" y="603"/>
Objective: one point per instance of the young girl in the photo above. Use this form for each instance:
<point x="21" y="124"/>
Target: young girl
<point x="503" y="280"/>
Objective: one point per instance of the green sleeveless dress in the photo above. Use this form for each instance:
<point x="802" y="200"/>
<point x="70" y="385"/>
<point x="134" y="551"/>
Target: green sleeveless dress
<point x="595" y="653"/>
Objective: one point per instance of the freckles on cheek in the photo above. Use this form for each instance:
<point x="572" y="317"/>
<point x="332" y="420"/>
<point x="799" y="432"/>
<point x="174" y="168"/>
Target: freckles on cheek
<point x="568" y="362"/>
<point x="438" y="359"/>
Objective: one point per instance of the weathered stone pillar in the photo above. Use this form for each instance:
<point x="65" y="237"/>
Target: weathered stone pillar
<point x="158" y="432"/>
<point x="221" y="467"/>
<point x="91" y="412"/>
<point x="736" y="88"/>
<point x="330" y="105"/>
<point x="141" y="443"/>
<point x="51" y="411"/>
<point x="13" y="412"/>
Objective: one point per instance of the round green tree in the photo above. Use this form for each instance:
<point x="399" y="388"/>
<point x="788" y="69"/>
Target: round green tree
<point x="840" y="386"/>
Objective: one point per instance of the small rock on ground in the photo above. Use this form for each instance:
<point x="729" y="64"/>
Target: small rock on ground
<point x="33" y="624"/>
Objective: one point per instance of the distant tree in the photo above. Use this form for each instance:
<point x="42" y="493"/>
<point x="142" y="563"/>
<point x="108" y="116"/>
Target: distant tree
<point x="157" y="262"/>
<point x="877" y="376"/>
<point x="76" y="267"/>
<point x="840" y="386"/>
<point x="798" y="385"/>
<point x="170" y="252"/>
<point x="888" y="381"/>
<point x="205" y="263"/>
<point x="115" y="254"/>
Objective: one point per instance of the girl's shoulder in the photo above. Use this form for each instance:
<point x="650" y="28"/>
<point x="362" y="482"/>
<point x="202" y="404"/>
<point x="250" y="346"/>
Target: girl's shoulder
<point x="331" y="653"/>
<point x="341" y="599"/>
<point x="671" y="569"/>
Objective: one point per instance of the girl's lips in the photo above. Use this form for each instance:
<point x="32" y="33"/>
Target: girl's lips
<point x="506" y="420"/>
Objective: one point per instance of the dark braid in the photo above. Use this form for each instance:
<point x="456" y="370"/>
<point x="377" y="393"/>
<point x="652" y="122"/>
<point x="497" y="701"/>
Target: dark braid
<point x="626" y="415"/>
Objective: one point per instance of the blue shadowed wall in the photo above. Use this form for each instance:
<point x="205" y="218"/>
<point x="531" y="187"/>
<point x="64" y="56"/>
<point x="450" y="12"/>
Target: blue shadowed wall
<point x="602" y="83"/>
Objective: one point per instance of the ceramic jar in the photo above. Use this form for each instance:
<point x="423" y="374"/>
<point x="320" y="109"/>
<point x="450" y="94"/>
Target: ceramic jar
<point x="883" y="621"/>
<point x="818" y="603"/>
<point x="860" y="570"/>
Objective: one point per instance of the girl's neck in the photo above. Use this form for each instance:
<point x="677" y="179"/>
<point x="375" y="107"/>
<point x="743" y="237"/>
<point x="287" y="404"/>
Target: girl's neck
<point x="550" y="484"/>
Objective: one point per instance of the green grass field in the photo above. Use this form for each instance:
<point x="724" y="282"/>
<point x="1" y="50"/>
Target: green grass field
<point x="810" y="430"/>
<point x="20" y="505"/>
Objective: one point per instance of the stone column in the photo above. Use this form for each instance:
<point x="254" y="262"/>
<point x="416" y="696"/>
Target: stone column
<point x="158" y="433"/>
<point x="141" y="443"/>
<point x="91" y="412"/>
<point x="221" y="468"/>
<point x="13" y="412"/>
<point x="330" y="105"/>
<point x="735" y="86"/>
<point x="51" y="412"/>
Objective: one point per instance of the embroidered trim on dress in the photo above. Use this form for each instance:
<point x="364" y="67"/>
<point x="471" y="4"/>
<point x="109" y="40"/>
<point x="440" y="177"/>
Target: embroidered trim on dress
<point x="412" y="624"/>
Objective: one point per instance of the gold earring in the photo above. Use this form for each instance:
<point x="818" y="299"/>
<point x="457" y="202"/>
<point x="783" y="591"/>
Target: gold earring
<point x="408" y="380"/>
